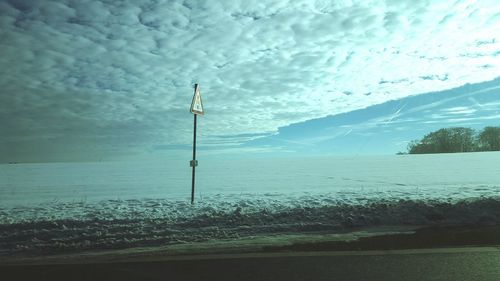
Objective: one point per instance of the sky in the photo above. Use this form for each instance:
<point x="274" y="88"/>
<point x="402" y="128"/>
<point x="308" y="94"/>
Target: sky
<point x="92" y="80"/>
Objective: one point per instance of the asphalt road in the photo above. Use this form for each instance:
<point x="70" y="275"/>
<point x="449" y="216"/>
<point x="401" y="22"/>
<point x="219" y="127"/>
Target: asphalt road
<point x="445" y="264"/>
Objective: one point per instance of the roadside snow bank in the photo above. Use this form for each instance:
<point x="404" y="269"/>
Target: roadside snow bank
<point x="111" y="224"/>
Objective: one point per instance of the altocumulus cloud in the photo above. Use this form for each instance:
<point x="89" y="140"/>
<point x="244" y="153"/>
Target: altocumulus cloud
<point x="88" y="77"/>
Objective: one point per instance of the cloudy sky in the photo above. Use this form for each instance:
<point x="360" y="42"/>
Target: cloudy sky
<point x="86" y="80"/>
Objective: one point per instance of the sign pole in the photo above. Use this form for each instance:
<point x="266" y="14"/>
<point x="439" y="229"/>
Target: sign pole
<point x="194" y="162"/>
<point x="196" y="108"/>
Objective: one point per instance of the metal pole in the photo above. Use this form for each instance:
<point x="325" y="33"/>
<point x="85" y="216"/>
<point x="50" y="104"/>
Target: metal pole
<point x="193" y="163"/>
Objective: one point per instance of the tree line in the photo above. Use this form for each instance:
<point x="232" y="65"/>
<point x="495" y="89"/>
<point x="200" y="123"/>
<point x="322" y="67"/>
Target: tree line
<point x="457" y="139"/>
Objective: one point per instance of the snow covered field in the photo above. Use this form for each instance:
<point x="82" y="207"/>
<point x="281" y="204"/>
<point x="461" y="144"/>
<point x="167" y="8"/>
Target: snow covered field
<point x="77" y="206"/>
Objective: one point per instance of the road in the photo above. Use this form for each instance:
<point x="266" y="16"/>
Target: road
<point x="482" y="263"/>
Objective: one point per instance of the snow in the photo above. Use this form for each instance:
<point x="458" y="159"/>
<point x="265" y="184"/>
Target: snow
<point x="82" y="206"/>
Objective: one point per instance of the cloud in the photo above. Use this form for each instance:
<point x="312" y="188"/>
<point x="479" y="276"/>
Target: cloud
<point x="459" y="110"/>
<point x="119" y="74"/>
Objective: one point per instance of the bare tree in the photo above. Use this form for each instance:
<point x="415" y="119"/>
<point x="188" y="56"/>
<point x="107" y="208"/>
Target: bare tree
<point x="489" y="139"/>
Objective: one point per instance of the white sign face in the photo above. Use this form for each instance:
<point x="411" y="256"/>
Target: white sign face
<point x="197" y="104"/>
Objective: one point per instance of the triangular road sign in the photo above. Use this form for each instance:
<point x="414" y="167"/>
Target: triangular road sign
<point x="197" y="104"/>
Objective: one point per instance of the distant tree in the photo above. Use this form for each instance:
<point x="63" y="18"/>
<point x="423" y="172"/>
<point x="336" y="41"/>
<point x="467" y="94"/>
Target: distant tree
<point x="489" y="139"/>
<point x="418" y="147"/>
<point x="463" y="139"/>
<point x="458" y="139"/>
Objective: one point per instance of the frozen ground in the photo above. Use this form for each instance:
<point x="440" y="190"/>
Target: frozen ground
<point x="46" y="208"/>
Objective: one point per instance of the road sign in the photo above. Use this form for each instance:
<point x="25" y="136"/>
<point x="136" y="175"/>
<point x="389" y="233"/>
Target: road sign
<point x="197" y="104"/>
